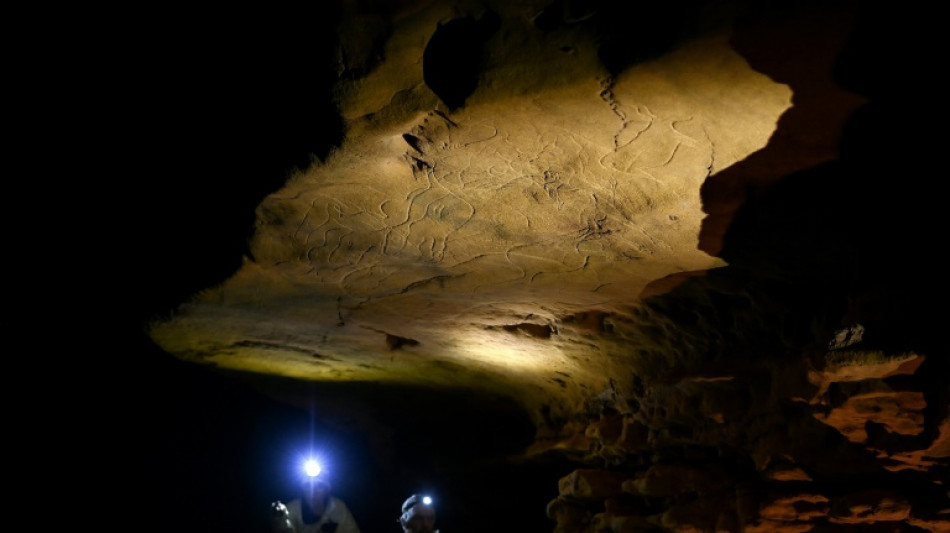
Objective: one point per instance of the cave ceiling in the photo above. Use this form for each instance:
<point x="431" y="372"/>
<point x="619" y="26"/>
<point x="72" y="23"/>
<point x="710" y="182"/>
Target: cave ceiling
<point x="644" y="226"/>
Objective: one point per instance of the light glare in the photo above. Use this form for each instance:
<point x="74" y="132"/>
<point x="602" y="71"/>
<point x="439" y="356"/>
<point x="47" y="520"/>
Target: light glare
<point x="312" y="467"/>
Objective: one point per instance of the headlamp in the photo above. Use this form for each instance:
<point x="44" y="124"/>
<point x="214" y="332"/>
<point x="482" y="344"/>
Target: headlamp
<point x="414" y="499"/>
<point x="312" y="468"/>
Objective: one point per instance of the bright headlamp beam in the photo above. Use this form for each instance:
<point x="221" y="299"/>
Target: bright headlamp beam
<point x="312" y="468"/>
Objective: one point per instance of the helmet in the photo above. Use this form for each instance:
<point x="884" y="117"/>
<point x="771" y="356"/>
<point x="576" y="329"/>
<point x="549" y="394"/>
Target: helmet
<point x="414" y="499"/>
<point x="409" y="506"/>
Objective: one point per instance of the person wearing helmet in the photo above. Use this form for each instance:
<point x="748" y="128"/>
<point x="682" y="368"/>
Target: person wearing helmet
<point x="418" y="515"/>
<point x="315" y="511"/>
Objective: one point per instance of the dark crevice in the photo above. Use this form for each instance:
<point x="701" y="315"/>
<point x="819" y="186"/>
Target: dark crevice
<point x="452" y="60"/>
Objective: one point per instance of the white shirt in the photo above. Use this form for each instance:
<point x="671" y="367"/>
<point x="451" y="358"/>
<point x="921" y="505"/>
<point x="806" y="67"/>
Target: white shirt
<point x="336" y="512"/>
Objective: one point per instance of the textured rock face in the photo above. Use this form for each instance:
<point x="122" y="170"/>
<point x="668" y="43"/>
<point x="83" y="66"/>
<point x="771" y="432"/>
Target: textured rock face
<point x="481" y="236"/>
<point x="654" y="230"/>
<point x="701" y="465"/>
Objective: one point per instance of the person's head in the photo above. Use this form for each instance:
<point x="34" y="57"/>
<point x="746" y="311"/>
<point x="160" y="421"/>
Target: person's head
<point x="418" y="515"/>
<point x="316" y="493"/>
<point x="316" y="484"/>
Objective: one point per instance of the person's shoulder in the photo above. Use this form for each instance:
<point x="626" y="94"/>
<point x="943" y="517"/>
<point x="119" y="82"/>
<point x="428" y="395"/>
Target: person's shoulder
<point x="295" y="505"/>
<point x="338" y="502"/>
<point x="339" y="508"/>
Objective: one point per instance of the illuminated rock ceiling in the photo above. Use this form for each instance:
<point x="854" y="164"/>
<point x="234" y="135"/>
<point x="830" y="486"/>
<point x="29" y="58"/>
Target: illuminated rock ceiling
<point x="643" y="226"/>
